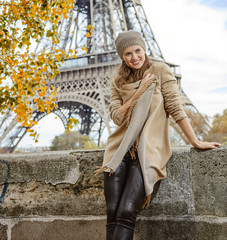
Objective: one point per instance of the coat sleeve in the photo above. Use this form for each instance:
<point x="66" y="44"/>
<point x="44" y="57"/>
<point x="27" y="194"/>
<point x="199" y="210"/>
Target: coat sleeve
<point x="115" y="103"/>
<point x="169" y="88"/>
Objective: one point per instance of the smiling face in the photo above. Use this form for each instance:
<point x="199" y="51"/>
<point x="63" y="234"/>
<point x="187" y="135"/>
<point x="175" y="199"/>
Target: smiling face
<point x="134" y="56"/>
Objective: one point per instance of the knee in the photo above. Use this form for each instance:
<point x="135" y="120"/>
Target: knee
<point x="128" y="211"/>
<point x="111" y="210"/>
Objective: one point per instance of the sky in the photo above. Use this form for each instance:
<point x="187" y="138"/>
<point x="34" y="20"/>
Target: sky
<point x="191" y="33"/>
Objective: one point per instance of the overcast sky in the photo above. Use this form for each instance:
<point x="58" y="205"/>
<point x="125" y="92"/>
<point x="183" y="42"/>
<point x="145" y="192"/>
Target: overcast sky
<point x="191" y="33"/>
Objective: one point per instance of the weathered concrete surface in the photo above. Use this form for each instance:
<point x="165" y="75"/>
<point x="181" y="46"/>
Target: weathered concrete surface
<point x="59" y="230"/>
<point x="209" y="182"/>
<point x="62" y="185"/>
<point x="3" y="232"/>
<point x="47" y="167"/>
<point x="173" y="195"/>
<point x="161" y="228"/>
<point x="179" y="229"/>
<point x="196" y="184"/>
<point x="55" y="183"/>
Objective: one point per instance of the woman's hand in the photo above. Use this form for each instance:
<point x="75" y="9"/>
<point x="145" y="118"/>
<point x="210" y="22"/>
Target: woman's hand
<point x="189" y="133"/>
<point x="147" y="77"/>
<point x="124" y="109"/>
<point x="205" y="145"/>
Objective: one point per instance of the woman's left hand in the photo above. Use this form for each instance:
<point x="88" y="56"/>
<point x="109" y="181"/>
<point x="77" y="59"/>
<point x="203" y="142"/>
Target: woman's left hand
<point x="205" y="145"/>
<point x="189" y="133"/>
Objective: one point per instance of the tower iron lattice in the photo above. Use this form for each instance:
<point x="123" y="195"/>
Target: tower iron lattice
<point x="84" y="82"/>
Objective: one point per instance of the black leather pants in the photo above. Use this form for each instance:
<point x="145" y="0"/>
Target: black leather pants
<point x="124" y="193"/>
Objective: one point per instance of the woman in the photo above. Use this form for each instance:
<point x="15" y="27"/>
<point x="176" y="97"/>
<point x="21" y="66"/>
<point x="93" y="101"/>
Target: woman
<point x="143" y="95"/>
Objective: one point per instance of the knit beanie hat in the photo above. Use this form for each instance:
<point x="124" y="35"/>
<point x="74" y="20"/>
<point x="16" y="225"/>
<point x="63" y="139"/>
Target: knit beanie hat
<point x="128" y="39"/>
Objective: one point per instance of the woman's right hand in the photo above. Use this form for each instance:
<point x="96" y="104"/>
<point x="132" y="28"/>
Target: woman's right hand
<point x="147" y="77"/>
<point x="125" y="107"/>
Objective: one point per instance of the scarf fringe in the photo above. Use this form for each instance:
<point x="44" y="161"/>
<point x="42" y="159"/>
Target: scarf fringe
<point x="146" y="202"/>
<point x="134" y="147"/>
<point x="102" y="169"/>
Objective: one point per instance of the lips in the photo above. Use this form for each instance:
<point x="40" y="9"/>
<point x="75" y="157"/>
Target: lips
<point x="136" y="62"/>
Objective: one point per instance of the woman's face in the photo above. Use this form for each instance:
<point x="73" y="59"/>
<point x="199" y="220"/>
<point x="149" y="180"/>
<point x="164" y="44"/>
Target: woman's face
<point x="134" y="57"/>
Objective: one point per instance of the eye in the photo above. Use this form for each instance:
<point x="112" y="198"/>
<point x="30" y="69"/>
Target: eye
<point x="127" y="54"/>
<point x="138" y="50"/>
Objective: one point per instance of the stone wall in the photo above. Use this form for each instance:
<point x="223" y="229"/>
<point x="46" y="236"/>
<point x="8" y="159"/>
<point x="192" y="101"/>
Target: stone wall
<point x="55" y="196"/>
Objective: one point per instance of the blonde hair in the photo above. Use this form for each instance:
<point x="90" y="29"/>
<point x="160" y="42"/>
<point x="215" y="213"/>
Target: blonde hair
<point x="126" y="75"/>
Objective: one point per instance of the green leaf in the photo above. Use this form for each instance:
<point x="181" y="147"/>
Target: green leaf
<point x="49" y="33"/>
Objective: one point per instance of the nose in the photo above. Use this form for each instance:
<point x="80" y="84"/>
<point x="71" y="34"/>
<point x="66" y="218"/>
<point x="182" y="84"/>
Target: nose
<point x="134" y="55"/>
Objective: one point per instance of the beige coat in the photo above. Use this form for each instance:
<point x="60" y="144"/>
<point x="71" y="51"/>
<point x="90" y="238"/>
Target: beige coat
<point x="156" y="151"/>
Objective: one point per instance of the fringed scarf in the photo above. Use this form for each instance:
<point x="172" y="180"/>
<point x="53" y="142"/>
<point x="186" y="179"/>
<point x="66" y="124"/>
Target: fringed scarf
<point x="136" y="117"/>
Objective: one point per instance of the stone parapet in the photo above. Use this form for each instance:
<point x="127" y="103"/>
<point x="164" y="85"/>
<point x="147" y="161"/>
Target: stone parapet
<point x="55" y="195"/>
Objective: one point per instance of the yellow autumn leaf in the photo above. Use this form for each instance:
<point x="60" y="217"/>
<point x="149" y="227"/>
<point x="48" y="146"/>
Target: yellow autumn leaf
<point x="65" y="11"/>
<point x="44" y="68"/>
<point x="58" y="57"/>
<point x="41" y="94"/>
<point x="84" y="48"/>
<point x="89" y="27"/>
<point x="19" y="86"/>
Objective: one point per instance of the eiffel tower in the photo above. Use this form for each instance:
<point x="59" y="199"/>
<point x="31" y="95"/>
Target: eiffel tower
<point x="84" y="82"/>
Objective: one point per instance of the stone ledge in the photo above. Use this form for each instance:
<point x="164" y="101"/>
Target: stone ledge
<point x="55" y="195"/>
<point x="93" y="228"/>
<point x="47" y="167"/>
<point x="179" y="230"/>
<point x="63" y="183"/>
<point x="58" y="230"/>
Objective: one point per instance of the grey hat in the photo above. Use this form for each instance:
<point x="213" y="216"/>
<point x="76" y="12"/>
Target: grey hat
<point x="128" y="39"/>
